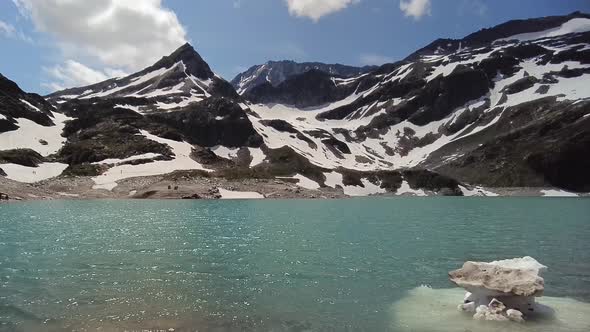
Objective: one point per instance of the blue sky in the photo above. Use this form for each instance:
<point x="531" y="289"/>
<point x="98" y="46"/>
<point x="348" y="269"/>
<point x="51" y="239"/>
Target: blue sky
<point x="47" y="45"/>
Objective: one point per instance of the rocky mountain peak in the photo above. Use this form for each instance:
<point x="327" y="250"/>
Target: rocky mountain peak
<point x="505" y="30"/>
<point x="276" y="72"/>
<point x="193" y="61"/>
<point x="175" y="80"/>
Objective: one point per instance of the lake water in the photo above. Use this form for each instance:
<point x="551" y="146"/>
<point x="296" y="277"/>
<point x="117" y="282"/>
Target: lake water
<point x="289" y="265"/>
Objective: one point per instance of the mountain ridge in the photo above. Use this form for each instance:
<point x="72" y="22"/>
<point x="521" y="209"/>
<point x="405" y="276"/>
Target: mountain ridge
<point x="508" y="113"/>
<point x="276" y="72"/>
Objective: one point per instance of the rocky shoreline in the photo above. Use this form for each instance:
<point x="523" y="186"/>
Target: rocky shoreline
<point x="182" y="186"/>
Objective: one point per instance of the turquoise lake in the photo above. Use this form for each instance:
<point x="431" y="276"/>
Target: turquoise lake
<point x="284" y="265"/>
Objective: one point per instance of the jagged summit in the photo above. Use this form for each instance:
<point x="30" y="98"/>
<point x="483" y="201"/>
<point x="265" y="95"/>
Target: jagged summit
<point x="15" y="103"/>
<point x="175" y="80"/>
<point x="502" y="31"/>
<point x="276" y="72"/>
<point x="193" y="61"/>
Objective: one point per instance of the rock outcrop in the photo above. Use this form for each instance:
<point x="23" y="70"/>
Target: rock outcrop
<point x="500" y="290"/>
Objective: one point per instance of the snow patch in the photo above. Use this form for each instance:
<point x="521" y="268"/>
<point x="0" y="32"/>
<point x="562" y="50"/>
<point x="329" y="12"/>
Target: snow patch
<point x="257" y="155"/>
<point x="225" y="152"/>
<point x="368" y="189"/>
<point x="406" y="190"/>
<point x="26" y="174"/>
<point x="334" y="179"/>
<point x="476" y="191"/>
<point x="228" y="194"/>
<point x="29" y="134"/>
<point x="119" y="161"/>
<point x="181" y="161"/>
<point x="31" y="105"/>
<point x="68" y="195"/>
<point x="557" y="193"/>
<point x="306" y="182"/>
<point x="572" y="26"/>
<point x="130" y="107"/>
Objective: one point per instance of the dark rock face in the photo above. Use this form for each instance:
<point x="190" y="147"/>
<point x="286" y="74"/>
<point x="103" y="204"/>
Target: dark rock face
<point x="207" y="157"/>
<point x="101" y="131"/>
<point x="23" y="157"/>
<point x="12" y="106"/>
<point x="391" y="181"/>
<point x="387" y="91"/>
<point x="215" y="121"/>
<point x="500" y="64"/>
<point x="311" y="88"/>
<point x="521" y="85"/>
<point x="286" y="162"/>
<point x="276" y="72"/>
<point x="434" y="101"/>
<point x="2" y="173"/>
<point x="284" y="126"/>
<point x="192" y="60"/>
<point x="424" y="179"/>
<point x="551" y="150"/>
<point x="526" y="51"/>
<point x="441" y="96"/>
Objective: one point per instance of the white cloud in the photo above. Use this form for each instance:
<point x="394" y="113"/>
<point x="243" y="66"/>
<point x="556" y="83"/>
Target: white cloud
<point x="374" y="59"/>
<point x="9" y="31"/>
<point x="315" y="9"/>
<point x="72" y="73"/>
<point x="415" y="8"/>
<point x="121" y="34"/>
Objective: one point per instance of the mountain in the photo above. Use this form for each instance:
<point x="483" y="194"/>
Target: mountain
<point x="15" y="103"/>
<point x="175" y="81"/>
<point x="276" y="72"/>
<point x="30" y="133"/>
<point x="508" y="112"/>
<point x="519" y="29"/>
<point x="506" y="107"/>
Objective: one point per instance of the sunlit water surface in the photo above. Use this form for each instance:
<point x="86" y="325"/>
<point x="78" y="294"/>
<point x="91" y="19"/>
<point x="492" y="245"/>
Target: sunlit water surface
<point x="341" y="265"/>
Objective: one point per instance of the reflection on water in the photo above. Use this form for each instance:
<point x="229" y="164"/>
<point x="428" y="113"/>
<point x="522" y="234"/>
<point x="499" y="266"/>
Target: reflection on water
<point x="265" y="265"/>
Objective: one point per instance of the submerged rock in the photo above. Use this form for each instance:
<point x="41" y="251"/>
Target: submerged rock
<point x="514" y="315"/>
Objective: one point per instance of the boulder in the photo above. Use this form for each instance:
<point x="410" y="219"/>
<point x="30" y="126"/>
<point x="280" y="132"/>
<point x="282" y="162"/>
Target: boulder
<point x="500" y="290"/>
<point x="193" y="196"/>
<point x="514" y="315"/>
<point x="517" y="277"/>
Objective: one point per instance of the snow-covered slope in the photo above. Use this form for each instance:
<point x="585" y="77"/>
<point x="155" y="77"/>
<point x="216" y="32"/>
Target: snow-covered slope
<point x="30" y="133"/>
<point x="441" y="110"/>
